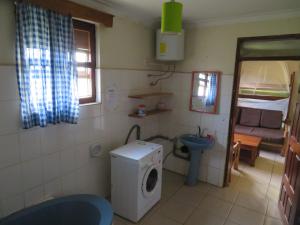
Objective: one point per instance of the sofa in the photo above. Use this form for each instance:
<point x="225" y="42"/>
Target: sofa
<point x="267" y="124"/>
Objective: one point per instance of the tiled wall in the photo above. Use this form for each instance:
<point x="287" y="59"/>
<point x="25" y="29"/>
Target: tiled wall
<point x="42" y="162"/>
<point x="38" y="163"/>
<point x="181" y="121"/>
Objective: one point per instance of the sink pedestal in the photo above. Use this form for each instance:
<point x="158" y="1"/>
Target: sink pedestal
<point x="192" y="177"/>
<point x="196" y="146"/>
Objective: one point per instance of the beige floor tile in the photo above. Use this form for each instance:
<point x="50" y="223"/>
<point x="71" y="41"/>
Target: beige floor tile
<point x="158" y="219"/>
<point x="276" y="180"/>
<point x="257" y="175"/>
<point x="203" y="187"/>
<point x="122" y="221"/>
<point x="278" y="168"/>
<point x="118" y="221"/>
<point x="228" y="193"/>
<point x="152" y="211"/>
<point x="205" y="218"/>
<point x="229" y="222"/>
<point x="235" y="175"/>
<point x="189" y="195"/>
<point x="171" y="183"/>
<point x="273" y="193"/>
<point x="243" y="216"/>
<point x="272" y="221"/>
<point x="176" y="211"/>
<point x="273" y="210"/>
<point x="252" y="201"/>
<point x="251" y="186"/>
<point x="268" y="155"/>
<point x="171" y="176"/>
<point x="215" y="206"/>
<point x="280" y="159"/>
<point x="264" y="164"/>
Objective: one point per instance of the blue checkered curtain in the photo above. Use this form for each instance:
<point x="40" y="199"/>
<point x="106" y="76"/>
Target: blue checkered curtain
<point x="212" y="90"/>
<point x="46" y="67"/>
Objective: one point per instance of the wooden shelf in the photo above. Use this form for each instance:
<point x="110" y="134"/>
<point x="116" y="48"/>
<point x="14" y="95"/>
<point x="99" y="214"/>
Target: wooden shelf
<point x="141" y="96"/>
<point x="150" y="113"/>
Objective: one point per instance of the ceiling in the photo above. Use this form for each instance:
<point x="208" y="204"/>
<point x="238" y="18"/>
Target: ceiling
<point x="207" y="11"/>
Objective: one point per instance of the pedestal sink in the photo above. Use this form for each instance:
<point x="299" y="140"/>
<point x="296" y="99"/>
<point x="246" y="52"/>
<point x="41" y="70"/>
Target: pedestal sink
<point x="196" y="146"/>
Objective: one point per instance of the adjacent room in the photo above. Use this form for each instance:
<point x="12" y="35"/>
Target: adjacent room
<point x="149" y="112"/>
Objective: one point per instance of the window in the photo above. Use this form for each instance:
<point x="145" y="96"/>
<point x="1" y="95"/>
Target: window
<point x="203" y="80"/>
<point x="85" y="45"/>
<point x="46" y="72"/>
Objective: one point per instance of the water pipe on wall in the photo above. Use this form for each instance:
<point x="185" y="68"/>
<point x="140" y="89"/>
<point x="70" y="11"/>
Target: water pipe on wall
<point x="163" y="76"/>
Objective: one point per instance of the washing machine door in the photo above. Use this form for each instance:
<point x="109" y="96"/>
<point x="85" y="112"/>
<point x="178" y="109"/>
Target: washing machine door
<point x="150" y="181"/>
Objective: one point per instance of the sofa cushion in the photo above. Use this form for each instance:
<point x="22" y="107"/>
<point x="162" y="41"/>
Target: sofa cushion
<point x="250" y="117"/>
<point x="271" y="119"/>
<point x="269" y="135"/>
<point x="243" y="129"/>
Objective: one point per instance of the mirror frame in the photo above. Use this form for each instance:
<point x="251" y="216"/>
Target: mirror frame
<point x="215" y="109"/>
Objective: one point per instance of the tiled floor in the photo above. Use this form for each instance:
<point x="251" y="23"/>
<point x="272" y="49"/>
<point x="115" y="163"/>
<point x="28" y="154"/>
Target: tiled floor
<point x="251" y="198"/>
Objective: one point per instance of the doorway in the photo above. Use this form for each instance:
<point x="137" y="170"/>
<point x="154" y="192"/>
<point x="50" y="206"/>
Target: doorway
<point x="253" y="94"/>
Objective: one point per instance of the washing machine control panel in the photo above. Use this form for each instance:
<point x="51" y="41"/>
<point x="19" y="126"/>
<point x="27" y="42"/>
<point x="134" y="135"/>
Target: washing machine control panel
<point x="157" y="158"/>
<point x="153" y="159"/>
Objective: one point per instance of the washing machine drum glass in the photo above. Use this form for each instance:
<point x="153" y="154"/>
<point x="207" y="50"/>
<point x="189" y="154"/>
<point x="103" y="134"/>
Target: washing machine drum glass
<point x="150" y="181"/>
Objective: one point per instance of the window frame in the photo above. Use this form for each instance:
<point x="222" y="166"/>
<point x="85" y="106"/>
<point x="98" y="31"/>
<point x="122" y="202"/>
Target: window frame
<point x="204" y="86"/>
<point x="91" y="28"/>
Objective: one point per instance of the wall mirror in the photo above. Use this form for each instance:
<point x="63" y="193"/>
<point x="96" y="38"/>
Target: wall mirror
<point x="204" y="91"/>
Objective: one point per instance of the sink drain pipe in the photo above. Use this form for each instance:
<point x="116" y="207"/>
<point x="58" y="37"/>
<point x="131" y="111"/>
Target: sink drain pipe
<point x="175" y="149"/>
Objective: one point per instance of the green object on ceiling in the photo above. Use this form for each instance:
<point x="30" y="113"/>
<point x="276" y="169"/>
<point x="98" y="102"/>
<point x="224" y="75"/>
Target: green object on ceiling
<point x="171" y="17"/>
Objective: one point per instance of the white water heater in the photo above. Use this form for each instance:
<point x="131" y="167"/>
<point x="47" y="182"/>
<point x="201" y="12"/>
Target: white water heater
<point x="169" y="46"/>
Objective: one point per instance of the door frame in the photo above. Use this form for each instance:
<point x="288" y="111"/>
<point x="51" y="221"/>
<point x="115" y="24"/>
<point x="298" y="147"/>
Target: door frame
<point x="236" y="82"/>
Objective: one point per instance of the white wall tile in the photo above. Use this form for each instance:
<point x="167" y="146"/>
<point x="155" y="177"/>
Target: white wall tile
<point x="67" y="160"/>
<point x="65" y="135"/>
<point x="53" y="189"/>
<point x="32" y="173"/>
<point x="49" y="139"/>
<point x="8" y="84"/>
<point x="9" y="117"/>
<point x="226" y="84"/>
<point x="34" y="196"/>
<point x="90" y="111"/>
<point x="69" y="183"/>
<point x="51" y="166"/>
<point x="82" y="155"/>
<point x="9" y="150"/>
<point x="82" y="132"/>
<point x="55" y="160"/>
<point x="213" y="175"/>
<point x="181" y="120"/>
<point x="11" y="181"/>
<point x="12" y="204"/>
<point x="30" y="144"/>
<point x="221" y="177"/>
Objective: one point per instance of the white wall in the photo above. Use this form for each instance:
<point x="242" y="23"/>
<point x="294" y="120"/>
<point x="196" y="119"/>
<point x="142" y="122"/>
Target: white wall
<point x="42" y="162"/>
<point x="182" y="121"/>
<point x="212" y="48"/>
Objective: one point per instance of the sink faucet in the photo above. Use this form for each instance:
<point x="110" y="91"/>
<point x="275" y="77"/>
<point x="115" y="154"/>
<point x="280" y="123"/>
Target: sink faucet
<point x="201" y="132"/>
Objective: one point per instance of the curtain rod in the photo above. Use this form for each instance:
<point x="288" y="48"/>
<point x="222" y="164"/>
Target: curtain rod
<point x="76" y="10"/>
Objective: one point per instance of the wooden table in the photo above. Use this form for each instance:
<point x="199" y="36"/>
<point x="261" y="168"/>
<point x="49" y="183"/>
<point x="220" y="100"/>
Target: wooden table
<point x="249" y="143"/>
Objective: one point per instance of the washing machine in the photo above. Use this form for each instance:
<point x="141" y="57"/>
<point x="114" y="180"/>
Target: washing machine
<point x="136" y="178"/>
